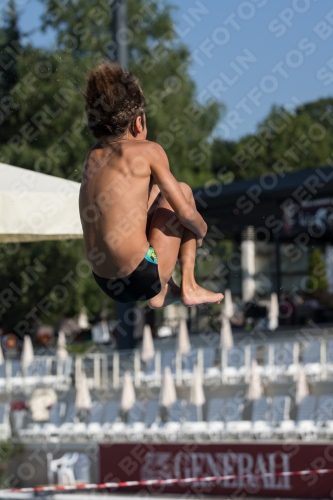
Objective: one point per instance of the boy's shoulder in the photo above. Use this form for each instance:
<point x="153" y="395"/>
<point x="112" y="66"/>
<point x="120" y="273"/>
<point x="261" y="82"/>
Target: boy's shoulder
<point x="154" y="149"/>
<point x="150" y="149"/>
<point x="151" y="145"/>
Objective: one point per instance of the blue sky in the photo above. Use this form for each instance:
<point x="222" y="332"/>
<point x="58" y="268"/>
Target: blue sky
<point x="247" y="54"/>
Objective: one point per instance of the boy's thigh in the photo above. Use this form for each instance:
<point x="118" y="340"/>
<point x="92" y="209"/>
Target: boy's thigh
<point x="165" y="234"/>
<point x="153" y="201"/>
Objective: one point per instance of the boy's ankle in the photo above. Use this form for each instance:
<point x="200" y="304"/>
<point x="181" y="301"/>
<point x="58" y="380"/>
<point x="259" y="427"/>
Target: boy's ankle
<point x="188" y="285"/>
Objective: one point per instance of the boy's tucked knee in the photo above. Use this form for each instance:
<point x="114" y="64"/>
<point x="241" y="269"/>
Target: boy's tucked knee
<point x="186" y="189"/>
<point x="188" y="193"/>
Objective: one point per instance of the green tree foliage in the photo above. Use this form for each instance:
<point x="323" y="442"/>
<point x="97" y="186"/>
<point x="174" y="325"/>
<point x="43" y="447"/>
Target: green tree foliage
<point x="46" y="131"/>
<point x="284" y="141"/>
<point x="9" y="47"/>
<point x="8" y="450"/>
<point x="317" y="272"/>
<point x="174" y="118"/>
<point x="222" y="162"/>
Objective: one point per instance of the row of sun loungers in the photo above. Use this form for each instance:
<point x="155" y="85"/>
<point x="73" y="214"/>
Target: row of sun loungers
<point x="281" y="361"/>
<point x="270" y="419"/>
<point x="43" y="371"/>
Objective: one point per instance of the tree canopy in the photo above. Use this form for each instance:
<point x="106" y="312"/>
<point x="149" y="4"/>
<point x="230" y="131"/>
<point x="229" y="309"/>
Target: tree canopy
<point x="284" y="141"/>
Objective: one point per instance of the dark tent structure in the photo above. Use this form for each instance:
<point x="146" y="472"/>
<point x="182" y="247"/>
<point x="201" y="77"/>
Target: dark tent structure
<point x="294" y="209"/>
<point x="276" y="203"/>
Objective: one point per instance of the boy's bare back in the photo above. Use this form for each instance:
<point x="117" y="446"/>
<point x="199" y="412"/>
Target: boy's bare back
<point x="113" y="205"/>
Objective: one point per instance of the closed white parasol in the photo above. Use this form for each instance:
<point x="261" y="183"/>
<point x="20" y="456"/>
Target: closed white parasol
<point x="61" y="346"/>
<point x="148" y="350"/>
<point x="228" y="308"/>
<point x="255" y="386"/>
<point x="168" y="391"/>
<point x="273" y="315"/>
<point x="128" y="393"/>
<point x="83" y="399"/>
<point x="226" y="338"/>
<point x="197" y="395"/>
<point x="27" y="353"/>
<point x="183" y="340"/>
<point x="302" y="387"/>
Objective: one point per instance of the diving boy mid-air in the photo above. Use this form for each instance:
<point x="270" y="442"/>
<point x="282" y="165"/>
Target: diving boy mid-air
<point x="134" y="230"/>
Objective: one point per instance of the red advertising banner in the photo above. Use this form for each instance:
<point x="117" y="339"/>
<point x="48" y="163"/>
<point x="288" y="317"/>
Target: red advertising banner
<point x="144" y="461"/>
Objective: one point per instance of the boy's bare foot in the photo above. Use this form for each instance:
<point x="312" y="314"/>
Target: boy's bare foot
<point x="170" y="294"/>
<point x="198" y="296"/>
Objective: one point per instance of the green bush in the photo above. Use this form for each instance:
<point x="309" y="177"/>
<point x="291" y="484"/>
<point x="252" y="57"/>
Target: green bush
<point x="317" y="280"/>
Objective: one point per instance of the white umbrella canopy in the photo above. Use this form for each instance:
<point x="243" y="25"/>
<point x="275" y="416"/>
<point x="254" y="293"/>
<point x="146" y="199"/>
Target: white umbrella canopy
<point x="273" y="315"/>
<point x="37" y="206"/>
<point x="168" y="391"/>
<point x="27" y="353"/>
<point x="148" y="350"/>
<point x="226" y="338"/>
<point x="183" y="341"/>
<point x="228" y="308"/>
<point x="128" y="393"/>
<point x="83" y="399"/>
<point x="61" y="346"/>
<point x="255" y="386"/>
<point x="302" y="387"/>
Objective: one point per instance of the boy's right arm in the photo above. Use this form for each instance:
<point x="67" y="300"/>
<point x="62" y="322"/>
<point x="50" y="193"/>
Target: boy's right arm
<point x="170" y="189"/>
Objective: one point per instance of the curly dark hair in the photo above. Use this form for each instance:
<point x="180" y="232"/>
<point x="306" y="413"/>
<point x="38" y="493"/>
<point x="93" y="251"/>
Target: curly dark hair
<point x="114" y="99"/>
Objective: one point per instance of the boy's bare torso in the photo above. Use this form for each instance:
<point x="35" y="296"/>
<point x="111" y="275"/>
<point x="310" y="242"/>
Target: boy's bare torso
<point x="113" y="205"/>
